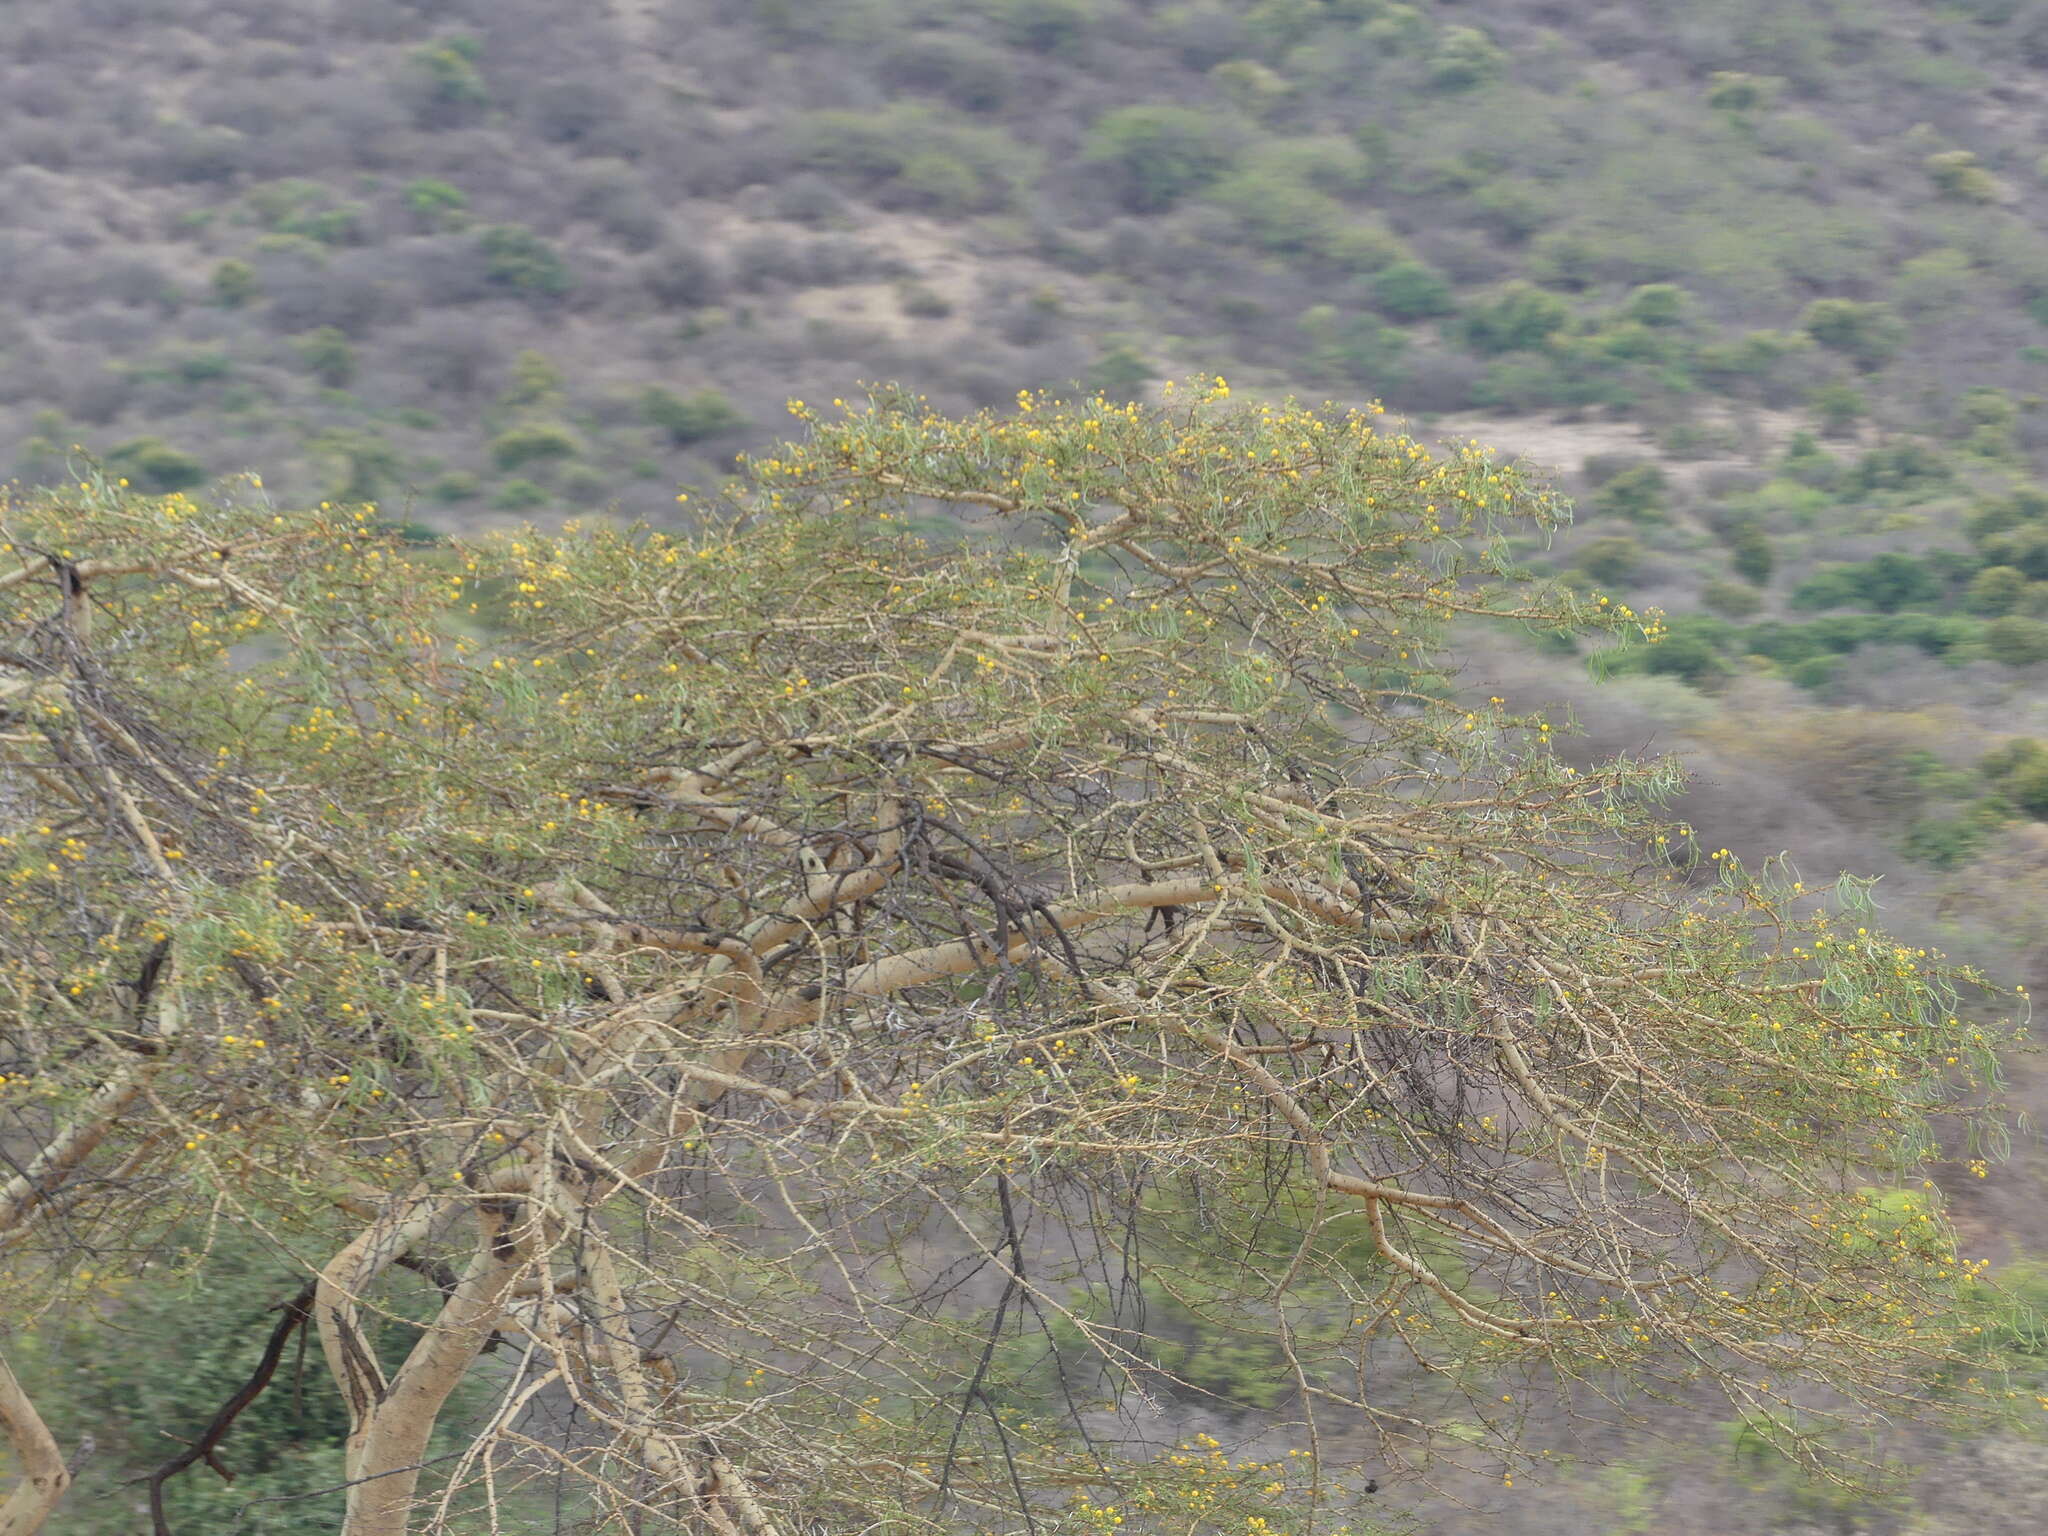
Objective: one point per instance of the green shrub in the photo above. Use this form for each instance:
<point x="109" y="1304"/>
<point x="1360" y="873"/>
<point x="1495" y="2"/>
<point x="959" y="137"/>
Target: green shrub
<point x="456" y="485"/>
<point x="1519" y="317"/>
<point x="1282" y="215"/>
<point x="938" y="183"/>
<point x="1160" y="154"/>
<point x="1464" y="57"/>
<point x="1636" y="493"/>
<point x="2016" y="641"/>
<point x="443" y="82"/>
<point x="1730" y="599"/>
<point x="234" y="284"/>
<point x="152" y="465"/>
<point x="518" y="259"/>
<point x="329" y="355"/>
<point x="1731" y="91"/>
<point x="520" y="496"/>
<point x="689" y="419"/>
<point x="1958" y="177"/>
<point x="1251" y="87"/>
<point x="1997" y="590"/>
<point x="1354" y="349"/>
<point x="1045" y="26"/>
<point x="533" y="443"/>
<point x="1886" y="583"/>
<point x="1658" y="305"/>
<point x="921" y="301"/>
<point x="1870" y="335"/>
<point x="1613" y="560"/>
<point x="878" y="150"/>
<point x="1411" y="290"/>
<point x="2019" y="772"/>
<point x="359" y="464"/>
<point x="1120" y="373"/>
<point x="681" y="277"/>
<point x="436" y="204"/>
<point x="962" y="70"/>
<point x="1838" y="405"/>
<point x="1905" y="466"/>
<point x="1935" y="282"/>
<point x="1751" y="553"/>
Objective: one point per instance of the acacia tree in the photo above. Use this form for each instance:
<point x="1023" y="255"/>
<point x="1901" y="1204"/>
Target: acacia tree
<point x="870" y="1018"/>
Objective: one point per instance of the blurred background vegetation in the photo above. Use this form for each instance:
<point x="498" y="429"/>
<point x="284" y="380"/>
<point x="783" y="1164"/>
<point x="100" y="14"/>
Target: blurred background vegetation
<point x="1764" y="283"/>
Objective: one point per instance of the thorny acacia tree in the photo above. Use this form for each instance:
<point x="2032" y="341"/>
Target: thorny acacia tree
<point x="809" y="990"/>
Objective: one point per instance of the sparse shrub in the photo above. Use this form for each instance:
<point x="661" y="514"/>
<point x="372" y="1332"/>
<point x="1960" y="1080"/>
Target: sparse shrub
<point x="187" y="152"/>
<point x="1275" y="27"/>
<point x="921" y="301"/>
<point x="1901" y="466"/>
<point x="1936" y="281"/>
<point x="689" y="419"/>
<point x="1120" y="373"/>
<point x="436" y="204"/>
<point x="681" y="277"/>
<point x="1613" y="560"/>
<point x="234" y="284"/>
<point x="1659" y="305"/>
<point x="1959" y="178"/>
<point x="583" y="485"/>
<point x="329" y="355"/>
<point x="1204" y="34"/>
<point x="1355" y="348"/>
<point x="359" y="464"/>
<point x="519" y="496"/>
<point x="2019" y="772"/>
<point x="1160" y="154"/>
<point x="1411" y="290"/>
<point x="1513" y="211"/>
<point x="938" y="183"/>
<point x="962" y="70"/>
<point x="1838" y="405"/>
<point x="2016" y="641"/>
<point x="442" y="83"/>
<point x="1520" y="316"/>
<point x="1751" y="554"/>
<point x="1732" y="91"/>
<point x="1251" y="87"/>
<point x="1045" y="26"/>
<point x="1636" y="493"/>
<point x="534" y="442"/>
<point x="1362" y="246"/>
<point x="1997" y="590"/>
<point x="1464" y="57"/>
<point x="1280" y="214"/>
<point x="152" y="465"/>
<point x="876" y="149"/>
<point x="1887" y="583"/>
<point x="1730" y="599"/>
<point x="457" y="485"/>
<point x="516" y="258"/>
<point x="1870" y="335"/>
<point x="2024" y="547"/>
<point x="536" y="383"/>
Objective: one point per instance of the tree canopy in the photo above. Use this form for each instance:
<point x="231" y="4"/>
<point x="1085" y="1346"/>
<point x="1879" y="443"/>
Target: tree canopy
<point x="873" y="1012"/>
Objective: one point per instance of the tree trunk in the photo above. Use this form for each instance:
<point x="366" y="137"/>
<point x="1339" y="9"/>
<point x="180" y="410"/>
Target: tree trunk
<point x="394" y="1423"/>
<point x="44" y="1477"/>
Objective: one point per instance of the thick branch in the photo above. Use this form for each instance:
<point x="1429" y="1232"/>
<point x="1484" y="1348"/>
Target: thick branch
<point x="44" y="1477"/>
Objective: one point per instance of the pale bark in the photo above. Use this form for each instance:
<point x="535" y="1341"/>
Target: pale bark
<point x="393" y="1423"/>
<point x="44" y="1477"/>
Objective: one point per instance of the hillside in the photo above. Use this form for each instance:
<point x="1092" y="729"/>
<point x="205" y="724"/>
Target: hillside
<point x="361" y="245"/>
